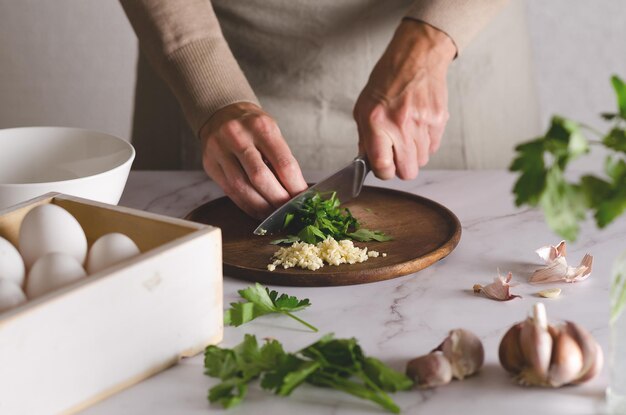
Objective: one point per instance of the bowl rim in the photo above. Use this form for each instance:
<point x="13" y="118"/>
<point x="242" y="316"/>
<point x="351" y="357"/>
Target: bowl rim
<point x="120" y="166"/>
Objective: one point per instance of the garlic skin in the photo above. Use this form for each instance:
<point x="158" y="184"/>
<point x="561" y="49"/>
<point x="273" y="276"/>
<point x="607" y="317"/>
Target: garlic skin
<point x="539" y="354"/>
<point x="430" y="370"/>
<point x="499" y="289"/>
<point x="465" y="352"/>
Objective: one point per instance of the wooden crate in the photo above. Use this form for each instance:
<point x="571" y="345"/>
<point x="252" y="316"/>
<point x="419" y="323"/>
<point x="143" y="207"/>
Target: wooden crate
<point x="64" y="351"/>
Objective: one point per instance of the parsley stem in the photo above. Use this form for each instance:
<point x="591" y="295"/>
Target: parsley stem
<point x="591" y="129"/>
<point x="301" y="321"/>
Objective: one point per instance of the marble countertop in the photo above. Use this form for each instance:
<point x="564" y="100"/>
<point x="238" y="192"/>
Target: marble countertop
<point x="403" y="318"/>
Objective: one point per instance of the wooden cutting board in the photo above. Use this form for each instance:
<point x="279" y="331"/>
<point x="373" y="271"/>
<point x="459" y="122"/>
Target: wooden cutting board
<point x="423" y="232"/>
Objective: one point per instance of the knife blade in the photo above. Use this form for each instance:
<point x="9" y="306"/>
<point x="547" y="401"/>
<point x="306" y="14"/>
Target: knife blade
<point x="347" y="182"/>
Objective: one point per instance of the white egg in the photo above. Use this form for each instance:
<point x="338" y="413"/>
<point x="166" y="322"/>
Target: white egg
<point x="50" y="228"/>
<point x="52" y="271"/>
<point x="11" y="263"/>
<point x="11" y="295"/>
<point x="109" y="250"/>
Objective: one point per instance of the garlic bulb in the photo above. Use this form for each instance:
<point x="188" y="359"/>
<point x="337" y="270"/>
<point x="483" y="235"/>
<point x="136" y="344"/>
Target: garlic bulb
<point x="460" y="355"/>
<point x="538" y="354"/>
<point x="430" y="370"/>
<point x="465" y="352"/>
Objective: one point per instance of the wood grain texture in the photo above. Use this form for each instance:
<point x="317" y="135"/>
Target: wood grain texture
<point x="424" y="232"/>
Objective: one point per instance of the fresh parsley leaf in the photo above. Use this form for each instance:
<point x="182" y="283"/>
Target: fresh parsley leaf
<point x="609" y="116"/>
<point x="262" y="301"/>
<point x="616" y="140"/>
<point x="542" y="164"/>
<point x="532" y="180"/>
<point x="288" y="218"/>
<point x="320" y="216"/>
<point x="238" y="366"/>
<point x="339" y="364"/>
<point x="608" y="210"/>
<point x="384" y="377"/>
<point x="595" y="189"/>
<point x="620" y="91"/>
<point x="563" y="204"/>
<point x="310" y="234"/>
<point x="365" y="235"/>
<point x="291" y="373"/>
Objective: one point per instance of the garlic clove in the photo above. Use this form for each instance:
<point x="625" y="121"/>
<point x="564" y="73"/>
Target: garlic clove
<point x="549" y="293"/>
<point x="550" y="252"/>
<point x="536" y="343"/>
<point x="567" y="359"/>
<point x="591" y="351"/>
<point x="430" y="370"/>
<point x="465" y="352"/>
<point x="510" y="352"/>
<point x="595" y="368"/>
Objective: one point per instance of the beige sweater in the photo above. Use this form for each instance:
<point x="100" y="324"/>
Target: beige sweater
<point x="184" y="42"/>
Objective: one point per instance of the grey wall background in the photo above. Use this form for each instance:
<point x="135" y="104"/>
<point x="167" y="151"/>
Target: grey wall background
<point x="66" y="62"/>
<point x="72" y="62"/>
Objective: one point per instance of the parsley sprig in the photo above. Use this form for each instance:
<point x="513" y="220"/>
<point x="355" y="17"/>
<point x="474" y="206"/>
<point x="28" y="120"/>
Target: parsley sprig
<point x="262" y="301"/>
<point x="333" y="363"/>
<point x="320" y="217"/>
<point x="542" y="164"/>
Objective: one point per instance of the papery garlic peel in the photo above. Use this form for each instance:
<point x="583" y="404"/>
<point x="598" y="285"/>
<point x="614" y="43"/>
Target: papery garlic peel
<point x="539" y="354"/>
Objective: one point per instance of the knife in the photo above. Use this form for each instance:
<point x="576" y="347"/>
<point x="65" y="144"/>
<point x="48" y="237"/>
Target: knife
<point x="347" y="183"/>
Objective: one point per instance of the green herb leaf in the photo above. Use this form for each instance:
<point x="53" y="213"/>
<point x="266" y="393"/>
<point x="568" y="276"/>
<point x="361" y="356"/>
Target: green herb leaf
<point x="238" y="366"/>
<point x="262" y="301"/>
<point x="332" y="363"/>
<point x="320" y="216"/>
<point x="609" y="209"/>
<point x="288" y="218"/>
<point x="542" y="163"/>
<point x="365" y="235"/>
<point x="595" y="189"/>
<point x="609" y="116"/>
<point x="616" y="140"/>
<point x="532" y="181"/>
<point x="384" y="377"/>
<point x="310" y="234"/>
<point x="620" y="91"/>
<point x="563" y="204"/>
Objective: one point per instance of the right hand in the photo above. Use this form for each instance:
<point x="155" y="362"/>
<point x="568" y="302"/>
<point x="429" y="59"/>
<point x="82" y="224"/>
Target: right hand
<point x="242" y="148"/>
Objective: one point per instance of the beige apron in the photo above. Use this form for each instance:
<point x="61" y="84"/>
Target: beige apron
<point x="308" y="61"/>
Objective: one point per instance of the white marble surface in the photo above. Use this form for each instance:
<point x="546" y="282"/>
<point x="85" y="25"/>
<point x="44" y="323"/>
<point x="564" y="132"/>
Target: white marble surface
<point x="400" y="319"/>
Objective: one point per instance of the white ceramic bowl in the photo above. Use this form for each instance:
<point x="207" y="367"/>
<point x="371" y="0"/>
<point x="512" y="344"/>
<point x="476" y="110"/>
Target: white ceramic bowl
<point x="38" y="160"/>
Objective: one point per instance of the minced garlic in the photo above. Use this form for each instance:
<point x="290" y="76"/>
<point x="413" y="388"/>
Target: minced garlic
<point x="313" y="257"/>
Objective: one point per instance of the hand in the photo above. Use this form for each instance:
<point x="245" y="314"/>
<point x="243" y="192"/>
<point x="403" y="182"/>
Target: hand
<point x="403" y="109"/>
<point x="241" y="146"/>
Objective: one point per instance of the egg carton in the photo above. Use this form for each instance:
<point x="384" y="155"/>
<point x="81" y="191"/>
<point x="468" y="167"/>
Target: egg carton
<point x="72" y="347"/>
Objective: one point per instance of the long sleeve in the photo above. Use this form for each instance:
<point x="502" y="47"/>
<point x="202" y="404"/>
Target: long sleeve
<point x="459" y="19"/>
<point x="182" y="39"/>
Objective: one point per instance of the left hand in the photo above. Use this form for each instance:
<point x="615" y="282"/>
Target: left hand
<point x="402" y="111"/>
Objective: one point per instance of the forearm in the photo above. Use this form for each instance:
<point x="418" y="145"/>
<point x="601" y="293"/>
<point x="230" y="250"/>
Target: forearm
<point x="461" y="20"/>
<point x="183" y="41"/>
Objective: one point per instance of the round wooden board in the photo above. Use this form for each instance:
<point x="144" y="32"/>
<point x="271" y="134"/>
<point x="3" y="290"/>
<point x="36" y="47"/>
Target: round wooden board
<point x="423" y="232"/>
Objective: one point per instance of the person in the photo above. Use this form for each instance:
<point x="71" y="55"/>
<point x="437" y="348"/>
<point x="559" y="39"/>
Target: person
<point x="400" y="113"/>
